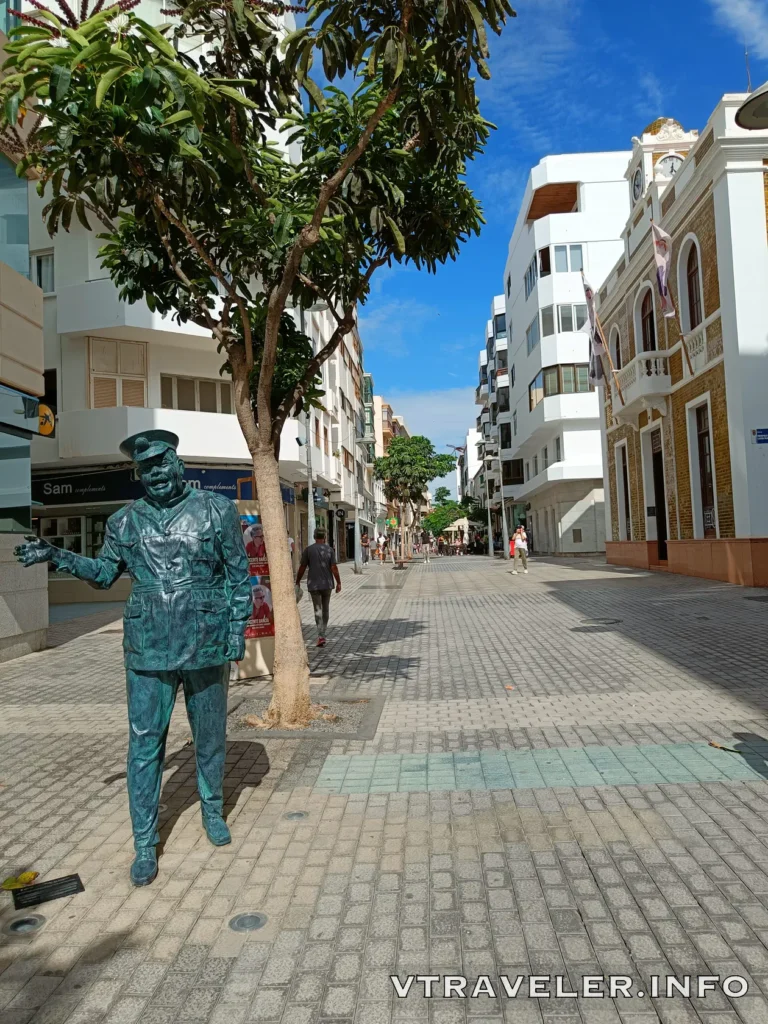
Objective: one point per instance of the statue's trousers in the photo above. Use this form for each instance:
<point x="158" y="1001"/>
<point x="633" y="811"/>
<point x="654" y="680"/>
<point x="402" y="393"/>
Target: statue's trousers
<point x="151" y="697"/>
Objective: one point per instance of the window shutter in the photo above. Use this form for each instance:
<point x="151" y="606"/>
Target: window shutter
<point x="104" y="392"/>
<point x="133" y="392"/>
<point x="132" y="355"/>
<point x="103" y="356"/>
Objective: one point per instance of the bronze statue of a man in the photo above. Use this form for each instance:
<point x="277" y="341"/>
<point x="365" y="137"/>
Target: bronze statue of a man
<point x="184" y="622"/>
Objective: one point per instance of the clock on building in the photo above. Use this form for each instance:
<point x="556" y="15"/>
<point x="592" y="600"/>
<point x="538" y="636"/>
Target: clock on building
<point x="637" y="184"/>
<point x="669" y="165"/>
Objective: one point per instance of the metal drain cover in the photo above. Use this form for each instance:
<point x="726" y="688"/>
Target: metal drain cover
<point x="25" y="925"/>
<point x="44" y="892"/>
<point x="295" y="815"/>
<point x="248" y="922"/>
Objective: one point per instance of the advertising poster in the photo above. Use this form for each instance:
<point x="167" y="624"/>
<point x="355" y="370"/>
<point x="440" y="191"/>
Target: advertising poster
<point x="262" y="621"/>
<point x="255" y="548"/>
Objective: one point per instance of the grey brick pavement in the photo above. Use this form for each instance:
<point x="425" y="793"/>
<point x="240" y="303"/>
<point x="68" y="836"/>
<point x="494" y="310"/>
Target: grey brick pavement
<point x="570" y="880"/>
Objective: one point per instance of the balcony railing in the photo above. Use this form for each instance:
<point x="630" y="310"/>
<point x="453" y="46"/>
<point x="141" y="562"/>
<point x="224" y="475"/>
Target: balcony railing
<point x="645" y="382"/>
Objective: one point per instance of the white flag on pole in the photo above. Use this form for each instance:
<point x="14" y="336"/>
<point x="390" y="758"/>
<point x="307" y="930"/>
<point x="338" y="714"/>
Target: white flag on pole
<point x="596" y="342"/>
<point x="662" y="250"/>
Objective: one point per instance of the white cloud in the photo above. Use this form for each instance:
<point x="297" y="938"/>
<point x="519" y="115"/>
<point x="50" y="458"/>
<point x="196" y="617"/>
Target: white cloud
<point x="747" y="20"/>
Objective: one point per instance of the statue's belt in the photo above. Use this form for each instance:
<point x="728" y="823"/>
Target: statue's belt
<point x="168" y="586"/>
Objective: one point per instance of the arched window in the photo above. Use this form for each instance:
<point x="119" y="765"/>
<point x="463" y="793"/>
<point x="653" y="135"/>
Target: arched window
<point x="615" y="347"/>
<point x="647" y="323"/>
<point x="694" y="288"/>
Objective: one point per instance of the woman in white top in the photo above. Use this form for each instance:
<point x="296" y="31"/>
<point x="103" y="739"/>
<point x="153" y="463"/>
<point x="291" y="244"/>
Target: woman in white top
<point x="520" y="542"/>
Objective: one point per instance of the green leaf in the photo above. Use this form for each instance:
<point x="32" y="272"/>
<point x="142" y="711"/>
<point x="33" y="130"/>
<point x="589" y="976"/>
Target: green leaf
<point x="80" y="210"/>
<point x="174" y="84"/>
<point x="237" y="97"/>
<point x="315" y="92"/>
<point x="61" y="79"/>
<point x="477" y="18"/>
<point x="12" y="108"/>
<point x="156" y="38"/>
<point x="108" y="80"/>
<point x="91" y="50"/>
<point x="399" y="242"/>
<point x="180" y="115"/>
<point x="75" y="37"/>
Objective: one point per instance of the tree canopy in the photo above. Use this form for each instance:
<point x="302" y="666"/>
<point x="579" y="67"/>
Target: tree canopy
<point x="408" y="466"/>
<point x="441" y="496"/>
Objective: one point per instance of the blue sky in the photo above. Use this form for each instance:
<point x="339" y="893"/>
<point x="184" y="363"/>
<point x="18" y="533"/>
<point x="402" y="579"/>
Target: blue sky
<point x="568" y="76"/>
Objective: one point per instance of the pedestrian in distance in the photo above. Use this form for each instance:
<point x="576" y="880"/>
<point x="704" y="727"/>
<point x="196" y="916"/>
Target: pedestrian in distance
<point x="380" y="544"/>
<point x="365" y="547"/>
<point x="319" y="558"/>
<point x="441" y="545"/>
<point x="519" y="549"/>
<point x="426" y="544"/>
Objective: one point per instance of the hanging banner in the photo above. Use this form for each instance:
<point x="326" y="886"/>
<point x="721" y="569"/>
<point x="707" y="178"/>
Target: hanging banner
<point x="262" y="621"/>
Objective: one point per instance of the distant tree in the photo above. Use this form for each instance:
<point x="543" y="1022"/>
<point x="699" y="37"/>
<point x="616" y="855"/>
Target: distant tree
<point x="442" y="496"/>
<point x="406" y="469"/>
<point x="441" y="517"/>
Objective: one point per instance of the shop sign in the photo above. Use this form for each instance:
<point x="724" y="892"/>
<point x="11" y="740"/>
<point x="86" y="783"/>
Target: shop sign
<point x="123" y="485"/>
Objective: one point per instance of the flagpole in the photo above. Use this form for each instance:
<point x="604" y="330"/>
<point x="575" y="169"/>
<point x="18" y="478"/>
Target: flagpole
<point x="614" y="371"/>
<point x="676" y="314"/>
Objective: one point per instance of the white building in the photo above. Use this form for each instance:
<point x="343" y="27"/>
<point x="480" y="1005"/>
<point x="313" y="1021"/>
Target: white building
<point x="539" y="392"/>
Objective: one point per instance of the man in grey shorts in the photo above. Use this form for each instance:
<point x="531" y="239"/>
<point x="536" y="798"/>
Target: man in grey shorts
<point x="320" y="560"/>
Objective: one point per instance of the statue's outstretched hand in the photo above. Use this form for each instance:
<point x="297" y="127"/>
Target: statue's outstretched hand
<point x="34" y="551"/>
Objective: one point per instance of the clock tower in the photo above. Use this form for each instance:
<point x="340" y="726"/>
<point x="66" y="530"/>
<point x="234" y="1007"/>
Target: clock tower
<point x="657" y="156"/>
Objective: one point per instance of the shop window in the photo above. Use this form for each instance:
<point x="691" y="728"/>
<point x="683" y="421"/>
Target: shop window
<point x="118" y="373"/>
<point x="64" y="532"/>
<point x="196" y="395"/>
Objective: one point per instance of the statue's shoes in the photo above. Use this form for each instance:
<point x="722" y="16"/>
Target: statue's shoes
<point x="144" y="867"/>
<point x="216" y="829"/>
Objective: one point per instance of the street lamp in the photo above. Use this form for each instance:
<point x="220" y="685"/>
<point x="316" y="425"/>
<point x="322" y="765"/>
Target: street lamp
<point x="753" y="112"/>
<point x="310" y="492"/>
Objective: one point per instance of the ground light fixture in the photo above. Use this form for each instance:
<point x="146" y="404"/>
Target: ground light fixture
<point x="753" y="112"/>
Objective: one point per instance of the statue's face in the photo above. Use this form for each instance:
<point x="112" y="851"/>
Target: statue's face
<point x="162" y="476"/>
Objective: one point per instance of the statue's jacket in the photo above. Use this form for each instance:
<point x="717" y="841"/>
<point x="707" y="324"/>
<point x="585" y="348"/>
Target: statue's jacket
<point x="191" y="589"/>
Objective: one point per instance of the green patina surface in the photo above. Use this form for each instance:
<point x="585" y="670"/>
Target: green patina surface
<point x="537" y="769"/>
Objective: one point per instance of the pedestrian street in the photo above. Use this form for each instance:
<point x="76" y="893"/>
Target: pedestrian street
<point x="563" y="774"/>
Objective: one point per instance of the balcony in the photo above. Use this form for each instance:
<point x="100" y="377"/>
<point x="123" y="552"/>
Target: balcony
<point x="481" y="394"/>
<point x="94" y="308"/>
<point x="645" y="383"/>
<point x="94" y="435"/>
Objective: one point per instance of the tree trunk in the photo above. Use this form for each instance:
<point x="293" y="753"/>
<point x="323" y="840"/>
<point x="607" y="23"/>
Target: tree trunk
<point x="291" y="706"/>
<point x="402" y="533"/>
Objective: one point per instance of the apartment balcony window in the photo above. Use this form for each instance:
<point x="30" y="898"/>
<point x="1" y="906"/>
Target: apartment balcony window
<point x="512" y="472"/>
<point x="503" y="399"/>
<point x="500" y="326"/>
<point x="317" y="432"/>
<point x="14" y="219"/>
<point x="118" y="373"/>
<point x="326" y="446"/>
<point x="41" y="271"/>
<point x="545" y="262"/>
<point x="545" y="457"/>
<point x="8" y="21"/>
<point x="349" y="462"/>
<point x="568" y="258"/>
<point x="502" y="360"/>
<point x="196" y="395"/>
<point x="514" y="423"/>
<point x="535" y="465"/>
<point x="527" y="472"/>
<point x="572" y="317"/>
<point x="532" y="336"/>
<point x="531" y="275"/>
<point x="505" y="435"/>
<point x="558" y="449"/>
<point x="559" y="380"/>
<point x="509" y="285"/>
<point x="547" y="321"/>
